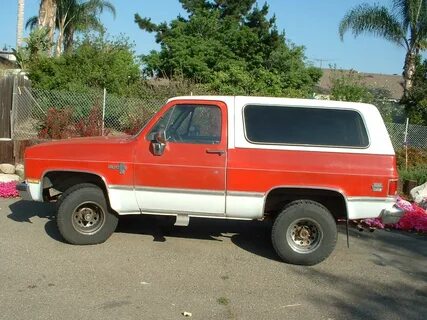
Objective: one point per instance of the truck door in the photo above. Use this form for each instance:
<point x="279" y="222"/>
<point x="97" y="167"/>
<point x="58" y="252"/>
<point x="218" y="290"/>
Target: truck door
<point x="188" y="175"/>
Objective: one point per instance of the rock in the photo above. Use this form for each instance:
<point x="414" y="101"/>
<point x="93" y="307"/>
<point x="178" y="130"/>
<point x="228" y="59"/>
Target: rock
<point x="7" y="168"/>
<point x="419" y="194"/>
<point x="9" y="177"/>
<point x="19" y="170"/>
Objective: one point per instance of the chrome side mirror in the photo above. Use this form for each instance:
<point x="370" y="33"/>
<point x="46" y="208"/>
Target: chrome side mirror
<point x="159" y="143"/>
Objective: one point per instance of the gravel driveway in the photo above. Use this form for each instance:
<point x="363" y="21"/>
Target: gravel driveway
<point x="213" y="269"/>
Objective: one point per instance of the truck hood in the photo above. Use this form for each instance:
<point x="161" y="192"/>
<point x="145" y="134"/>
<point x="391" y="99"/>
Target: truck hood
<point x="84" y="149"/>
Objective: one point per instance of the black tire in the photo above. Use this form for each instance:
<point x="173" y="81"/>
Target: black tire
<point x="84" y="217"/>
<point x="304" y="233"/>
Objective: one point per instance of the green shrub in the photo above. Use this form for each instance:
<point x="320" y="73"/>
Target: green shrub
<point x="418" y="174"/>
<point x="416" y="158"/>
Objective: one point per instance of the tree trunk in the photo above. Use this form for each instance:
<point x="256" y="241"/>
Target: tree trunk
<point x="60" y="40"/>
<point x="408" y="72"/>
<point x="20" y="24"/>
<point x="47" y="17"/>
<point x="69" y="39"/>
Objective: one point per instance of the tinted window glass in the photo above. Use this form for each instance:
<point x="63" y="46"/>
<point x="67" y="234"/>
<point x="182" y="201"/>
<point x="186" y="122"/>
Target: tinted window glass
<point x="305" y="126"/>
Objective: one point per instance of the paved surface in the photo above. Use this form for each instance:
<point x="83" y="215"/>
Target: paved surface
<point x="214" y="269"/>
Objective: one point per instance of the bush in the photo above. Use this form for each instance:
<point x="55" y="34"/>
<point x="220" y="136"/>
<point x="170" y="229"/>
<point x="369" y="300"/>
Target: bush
<point x="134" y="126"/>
<point x="91" y="125"/>
<point x="418" y="174"/>
<point x="60" y="124"/>
<point x="416" y="158"/>
<point x="349" y="86"/>
<point x="56" y="124"/>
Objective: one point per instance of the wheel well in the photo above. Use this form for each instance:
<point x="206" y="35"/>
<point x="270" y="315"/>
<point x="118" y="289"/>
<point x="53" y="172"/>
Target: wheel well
<point x="332" y="200"/>
<point x="57" y="182"/>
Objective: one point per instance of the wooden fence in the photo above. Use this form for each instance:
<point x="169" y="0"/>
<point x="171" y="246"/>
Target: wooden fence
<point x="8" y="87"/>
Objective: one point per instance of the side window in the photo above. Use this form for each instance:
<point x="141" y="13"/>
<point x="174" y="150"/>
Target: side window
<point x="305" y="126"/>
<point x="199" y="124"/>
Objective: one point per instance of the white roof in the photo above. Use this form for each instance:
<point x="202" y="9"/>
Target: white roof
<point x="378" y="136"/>
<point x="286" y="101"/>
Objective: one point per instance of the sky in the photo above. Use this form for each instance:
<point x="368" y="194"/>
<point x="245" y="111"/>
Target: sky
<point x="311" y="23"/>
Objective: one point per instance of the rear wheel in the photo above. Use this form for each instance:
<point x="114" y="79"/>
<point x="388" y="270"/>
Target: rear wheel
<point x="84" y="217"/>
<point x="304" y="233"/>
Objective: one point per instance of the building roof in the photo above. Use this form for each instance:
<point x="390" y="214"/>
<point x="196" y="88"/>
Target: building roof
<point x="392" y="83"/>
<point x="7" y="60"/>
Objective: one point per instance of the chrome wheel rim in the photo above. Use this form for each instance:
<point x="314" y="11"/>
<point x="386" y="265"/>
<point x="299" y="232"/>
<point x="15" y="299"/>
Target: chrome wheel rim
<point x="88" y="218"/>
<point x="304" y="235"/>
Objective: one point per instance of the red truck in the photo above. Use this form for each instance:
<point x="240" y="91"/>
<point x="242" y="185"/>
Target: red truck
<point x="304" y="163"/>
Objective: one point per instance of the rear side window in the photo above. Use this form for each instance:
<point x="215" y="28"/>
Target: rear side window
<point x="305" y="126"/>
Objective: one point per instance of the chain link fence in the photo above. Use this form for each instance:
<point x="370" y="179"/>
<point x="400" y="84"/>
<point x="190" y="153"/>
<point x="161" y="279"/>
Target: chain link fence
<point x="416" y="135"/>
<point x="45" y="114"/>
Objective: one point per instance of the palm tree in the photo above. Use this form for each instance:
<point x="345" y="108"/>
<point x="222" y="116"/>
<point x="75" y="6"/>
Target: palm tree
<point x="75" y="16"/>
<point x="20" y="24"/>
<point x="405" y="24"/>
<point x="47" y="17"/>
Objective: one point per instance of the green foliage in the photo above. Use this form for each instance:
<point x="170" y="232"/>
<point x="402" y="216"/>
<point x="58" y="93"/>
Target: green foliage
<point x="374" y="19"/>
<point x="404" y="24"/>
<point x="223" y="301"/>
<point x="391" y="111"/>
<point x="79" y="16"/>
<point x="37" y="45"/>
<point x="416" y="158"/>
<point x="416" y="101"/>
<point x="230" y="46"/>
<point x="417" y="164"/>
<point x="418" y="174"/>
<point x="94" y="63"/>
<point x="73" y="16"/>
<point x="349" y="86"/>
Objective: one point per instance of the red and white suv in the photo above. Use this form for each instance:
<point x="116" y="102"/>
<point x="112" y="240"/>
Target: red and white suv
<point x="303" y="163"/>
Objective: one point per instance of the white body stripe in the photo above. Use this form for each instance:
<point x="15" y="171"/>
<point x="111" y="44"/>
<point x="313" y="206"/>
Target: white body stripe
<point x="180" y="201"/>
<point x="241" y="206"/>
<point x="123" y="200"/>
<point x="35" y="190"/>
<point x="362" y="208"/>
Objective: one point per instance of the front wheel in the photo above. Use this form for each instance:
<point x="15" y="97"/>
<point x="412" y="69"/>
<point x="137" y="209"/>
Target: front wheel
<point x="304" y="233"/>
<point x="84" y="217"/>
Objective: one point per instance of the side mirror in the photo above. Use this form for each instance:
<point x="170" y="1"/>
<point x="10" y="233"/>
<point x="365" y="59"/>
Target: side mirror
<point x="159" y="143"/>
<point x="160" y="136"/>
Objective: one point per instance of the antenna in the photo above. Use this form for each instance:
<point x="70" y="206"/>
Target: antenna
<point x="321" y="61"/>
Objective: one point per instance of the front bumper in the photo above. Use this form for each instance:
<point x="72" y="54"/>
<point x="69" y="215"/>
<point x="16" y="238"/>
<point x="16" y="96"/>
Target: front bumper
<point x="392" y="215"/>
<point x="24" y="191"/>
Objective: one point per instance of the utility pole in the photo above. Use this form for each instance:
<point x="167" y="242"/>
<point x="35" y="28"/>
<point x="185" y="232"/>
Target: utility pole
<point x="20" y="24"/>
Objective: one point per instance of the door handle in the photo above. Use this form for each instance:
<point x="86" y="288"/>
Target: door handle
<point x="212" y="151"/>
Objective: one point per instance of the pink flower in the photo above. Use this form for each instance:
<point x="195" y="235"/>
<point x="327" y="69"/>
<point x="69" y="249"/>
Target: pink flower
<point x="403" y="204"/>
<point x="415" y="219"/>
<point x="8" y="190"/>
<point x="375" y="223"/>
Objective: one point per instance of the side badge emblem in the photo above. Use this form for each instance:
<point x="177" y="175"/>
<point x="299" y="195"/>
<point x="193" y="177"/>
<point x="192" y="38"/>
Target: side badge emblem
<point x="377" y="187"/>
<point x="121" y="167"/>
